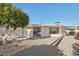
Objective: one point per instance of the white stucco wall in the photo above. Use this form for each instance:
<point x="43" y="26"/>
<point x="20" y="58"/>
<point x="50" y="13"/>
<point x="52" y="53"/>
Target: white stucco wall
<point x="2" y="30"/>
<point x="27" y="33"/>
<point x="17" y="32"/>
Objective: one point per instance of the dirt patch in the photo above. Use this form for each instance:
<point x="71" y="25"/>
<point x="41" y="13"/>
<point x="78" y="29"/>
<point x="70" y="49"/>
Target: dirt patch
<point x="10" y="49"/>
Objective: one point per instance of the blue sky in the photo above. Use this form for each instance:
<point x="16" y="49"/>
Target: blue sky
<point x="67" y="14"/>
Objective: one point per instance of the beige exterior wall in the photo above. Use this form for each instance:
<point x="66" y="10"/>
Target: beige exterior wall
<point x="62" y="30"/>
<point x="45" y="31"/>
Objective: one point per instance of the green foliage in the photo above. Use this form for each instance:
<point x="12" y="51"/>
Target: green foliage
<point x="12" y="17"/>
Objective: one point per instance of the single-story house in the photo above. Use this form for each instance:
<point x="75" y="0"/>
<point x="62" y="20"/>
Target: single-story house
<point x="36" y="30"/>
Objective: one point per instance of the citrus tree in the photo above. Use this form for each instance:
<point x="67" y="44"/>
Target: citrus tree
<point x="12" y="17"/>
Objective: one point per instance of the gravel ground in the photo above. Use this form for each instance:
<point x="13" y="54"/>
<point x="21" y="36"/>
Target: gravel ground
<point x="10" y="49"/>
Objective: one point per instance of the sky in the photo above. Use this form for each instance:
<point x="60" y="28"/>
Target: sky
<point x="48" y="13"/>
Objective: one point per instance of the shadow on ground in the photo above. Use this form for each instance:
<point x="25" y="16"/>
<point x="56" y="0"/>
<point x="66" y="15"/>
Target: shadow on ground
<point x="75" y="50"/>
<point x="42" y="50"/>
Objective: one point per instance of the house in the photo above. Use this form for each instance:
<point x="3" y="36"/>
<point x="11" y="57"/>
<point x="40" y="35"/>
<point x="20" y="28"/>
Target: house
<point x="37" y="30"/>
<point x="71" y="30"/>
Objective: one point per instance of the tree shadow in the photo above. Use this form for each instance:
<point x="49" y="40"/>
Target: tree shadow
<point x="75" y="50"/>
<point x="42" y="50"/>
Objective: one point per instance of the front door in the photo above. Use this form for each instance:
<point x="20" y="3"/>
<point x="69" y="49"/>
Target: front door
<point x="36" y="32"/>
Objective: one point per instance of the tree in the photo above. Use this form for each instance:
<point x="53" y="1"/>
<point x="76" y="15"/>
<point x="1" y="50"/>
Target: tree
<point x="12" y="17"/>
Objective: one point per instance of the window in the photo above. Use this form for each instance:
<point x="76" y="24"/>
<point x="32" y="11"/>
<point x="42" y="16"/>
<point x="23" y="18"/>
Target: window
<point x="54" y="31"/>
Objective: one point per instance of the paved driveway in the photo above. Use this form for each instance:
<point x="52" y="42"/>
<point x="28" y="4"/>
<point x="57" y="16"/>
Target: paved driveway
<point x="41" y="46"/>
<point x="66" y="45"/>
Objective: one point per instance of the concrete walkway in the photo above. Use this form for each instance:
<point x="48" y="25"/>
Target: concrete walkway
<point x="66" y="45"/>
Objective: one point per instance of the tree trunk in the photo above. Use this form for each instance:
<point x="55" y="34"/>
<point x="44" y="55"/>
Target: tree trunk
<point x="22" y="33"/>
<point x="6" y="35"/>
